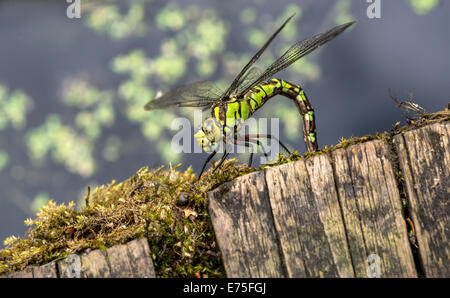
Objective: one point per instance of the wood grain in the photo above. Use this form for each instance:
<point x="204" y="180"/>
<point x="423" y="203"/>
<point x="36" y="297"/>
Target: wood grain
<point x="46" y="271"/>
<point x="120" y="261"/>
<point x="372" y="210"/>
<point x="70" y="267"/>
<point x="95" y="264"/>
<point x="139" y="254"/>
<point x="308" y="219"/>
<point x="424" y="157"/>
<point x="325" y="216"/>
<point x="26" y="273"/>
<point x="244" y="228"/>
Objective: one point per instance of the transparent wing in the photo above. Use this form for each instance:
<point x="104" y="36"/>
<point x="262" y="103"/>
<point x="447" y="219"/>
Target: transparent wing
<point x="251" y="75"/>
<point x="198" y="94"/>
<point x="238" y="80"/>
<point x="297" y="51"/>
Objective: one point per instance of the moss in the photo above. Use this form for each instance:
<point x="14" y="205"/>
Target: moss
<point x="420" y="120"/>
<point x="150" y="204"/>
<point x="181" y="238"/>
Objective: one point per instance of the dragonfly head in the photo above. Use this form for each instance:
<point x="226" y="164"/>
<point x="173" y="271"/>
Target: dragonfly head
<point x="208" y="135"/>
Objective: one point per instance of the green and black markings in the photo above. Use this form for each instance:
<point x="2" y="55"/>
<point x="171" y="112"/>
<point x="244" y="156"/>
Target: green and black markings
<point x="248" y="92"/>
<point x="238" y="109"/>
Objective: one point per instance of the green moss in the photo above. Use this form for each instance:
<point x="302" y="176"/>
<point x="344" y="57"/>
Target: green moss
<point x="181" y="238"/>
<point x="343" y="143"/>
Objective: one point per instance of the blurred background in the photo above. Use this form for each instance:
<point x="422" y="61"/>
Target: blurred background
<point x="72" y="91"/>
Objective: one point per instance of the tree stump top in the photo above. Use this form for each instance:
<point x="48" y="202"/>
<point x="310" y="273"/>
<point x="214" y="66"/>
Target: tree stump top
<point x="372" y="209"/>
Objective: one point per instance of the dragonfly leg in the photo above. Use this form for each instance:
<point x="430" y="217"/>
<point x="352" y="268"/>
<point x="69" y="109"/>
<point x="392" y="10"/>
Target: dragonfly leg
<point x="224" y="157"/>
<point x="204" y="165"/>
<point x="270" y="137"/>
<point x="246" y="143"/>
<point x="250" y="160"/>
<point x="258" y="143"/>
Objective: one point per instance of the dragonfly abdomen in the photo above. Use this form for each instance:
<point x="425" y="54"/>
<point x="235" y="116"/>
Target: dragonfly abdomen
<point x="237" y="110"/>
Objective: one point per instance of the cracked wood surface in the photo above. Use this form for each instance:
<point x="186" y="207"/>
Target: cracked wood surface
<point x="424" y="157"/>
<point x="325" y="215"/>
<point x="251" y="246"/>
<point x="372" y="209"/>
<point x="124" y="260"/>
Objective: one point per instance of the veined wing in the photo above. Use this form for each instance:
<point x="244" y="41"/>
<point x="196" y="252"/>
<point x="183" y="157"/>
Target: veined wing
<point x="238" y="80"/>
<point x="198" y="94"/>
<point x="248" y="79"/>
<point x="297" y="51"/>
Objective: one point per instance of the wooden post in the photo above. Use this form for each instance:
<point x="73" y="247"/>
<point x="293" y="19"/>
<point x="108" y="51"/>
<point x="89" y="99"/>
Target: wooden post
<point x="337" y="214"/>
<point x="249" y="241"/>
<point x="126" y="260"/>
<point x="341" y="214"/>
<point x="424" y="157"/>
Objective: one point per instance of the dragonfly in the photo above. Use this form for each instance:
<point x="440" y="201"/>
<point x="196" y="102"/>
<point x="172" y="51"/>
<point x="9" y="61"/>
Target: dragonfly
<point x="248" y="92"/>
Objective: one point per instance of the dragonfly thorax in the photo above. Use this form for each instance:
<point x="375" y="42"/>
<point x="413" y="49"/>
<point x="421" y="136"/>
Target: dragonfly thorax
<point x="209" y="135"/>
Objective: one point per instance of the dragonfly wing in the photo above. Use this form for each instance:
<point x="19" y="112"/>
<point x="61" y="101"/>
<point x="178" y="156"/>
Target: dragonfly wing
<point x="297" y="51"/>
<point x="198" y="94"/>
<point x="238" y="78"/>
<point x="251" y="75"/>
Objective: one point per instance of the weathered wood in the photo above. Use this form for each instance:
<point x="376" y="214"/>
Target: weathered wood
<point x="95" y="264"/>
<point x="244" y="228"/>
<point x="70" y="267"/>
<point x="26" y="273"/>
<point x="139" y="254"/>
<point x="126" y="260"/>
<point x="334" y="215"/>
<point x="45" y="271"/>
<point x="424" y="157"/>
<point x="119" y="262"/>
<point x="308" y="220"/>
<point x="372" y="210"/>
